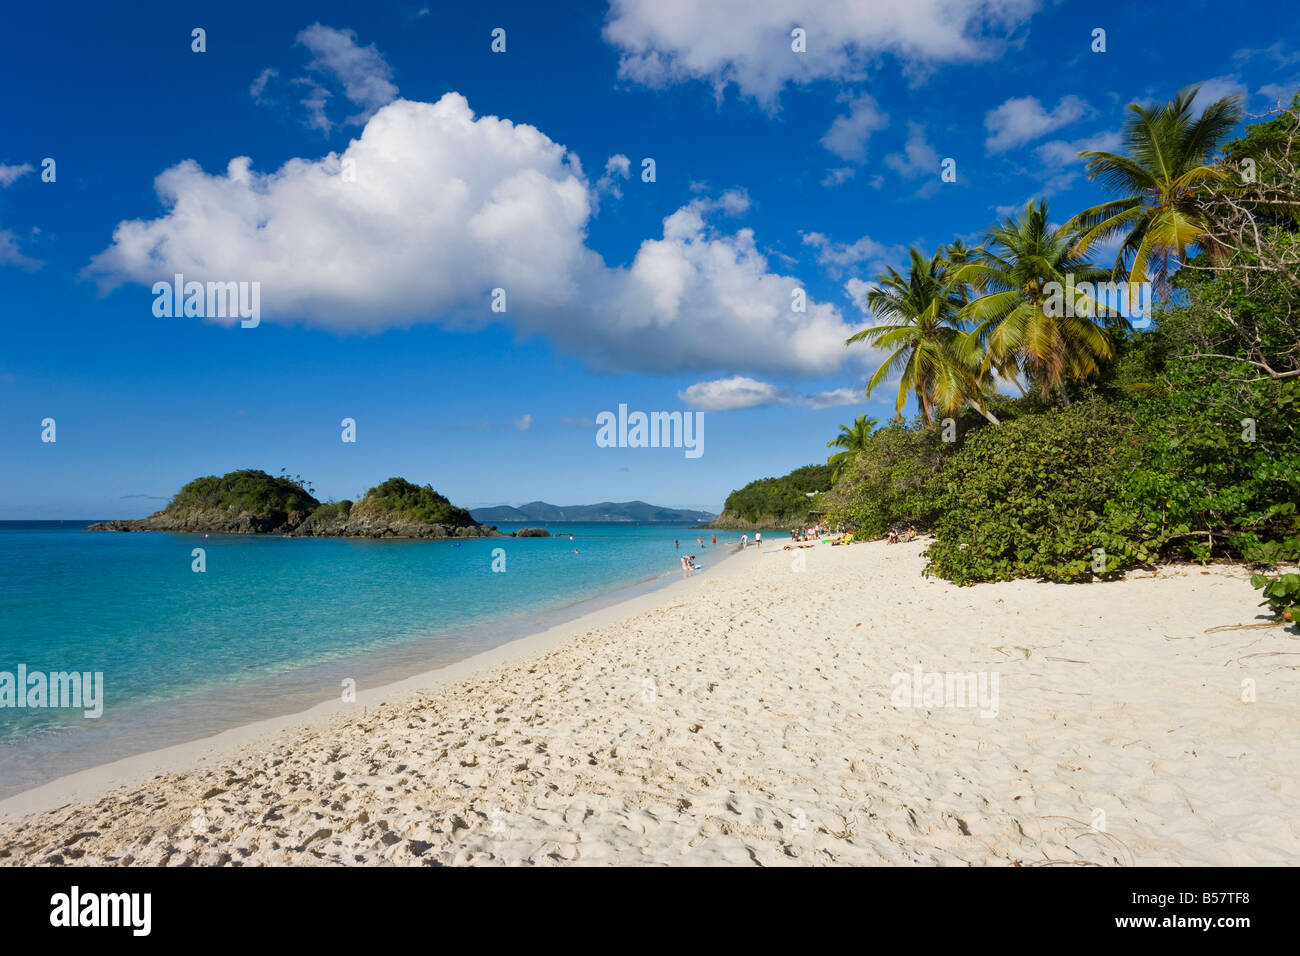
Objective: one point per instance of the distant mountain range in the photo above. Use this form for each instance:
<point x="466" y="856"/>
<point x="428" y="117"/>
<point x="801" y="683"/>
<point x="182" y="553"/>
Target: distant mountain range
<point x="605" y="511"/>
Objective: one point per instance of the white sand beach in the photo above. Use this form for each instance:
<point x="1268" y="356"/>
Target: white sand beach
<point x="747" y="716"/>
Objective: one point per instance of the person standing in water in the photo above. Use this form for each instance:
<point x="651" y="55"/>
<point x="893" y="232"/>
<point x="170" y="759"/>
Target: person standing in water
<point x="715" y="538"/>
<point x="744" y="541"/>
<point x="676" y="544"/>
<point x="758" y="538"/>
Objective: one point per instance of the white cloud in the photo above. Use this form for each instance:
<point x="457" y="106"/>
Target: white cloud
<point x="848" y="135"/>
<point x="1022" y="119"/>
<point x="729" y="394"/>
<point x="836" y="398"/>
<point x="738" y="392"/>
<point x="617" y="167"/>
<point x="837" y="256"/>
<point x="258" y="88"/>
<point x="11" y="174"/>
<point x="1280" y="92"/>
<point x="447" y="206"/>
<point x="838" y="176"/>
<point x="11" y="255"/>
<point x="523" y="424"/>
<point x="749" y="44"/>
<point x="857" y="291"/>
<point x="1215" y="89"/>
<point x="366" y="77"/>
<point x="1060" y="152"/>
<point x="362" y="73"/>
<point x="918" y="156"/>
<point x="1278" y="53"/>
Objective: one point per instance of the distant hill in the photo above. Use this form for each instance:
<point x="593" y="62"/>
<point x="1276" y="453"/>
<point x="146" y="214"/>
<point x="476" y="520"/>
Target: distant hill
<point x="604" y="511"/>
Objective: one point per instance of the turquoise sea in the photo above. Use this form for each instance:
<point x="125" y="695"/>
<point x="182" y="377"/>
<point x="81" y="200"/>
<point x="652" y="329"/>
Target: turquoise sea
<point x="274" y="625"/>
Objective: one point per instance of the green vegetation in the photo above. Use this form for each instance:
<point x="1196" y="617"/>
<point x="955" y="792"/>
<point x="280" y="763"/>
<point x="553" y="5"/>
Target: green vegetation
<point x="256" y="492"/>
<point x="1162" y="176"/>
<point x="333" y="509"/>
<point x="1033" y="499"/>
<point x="1130" y="445"/>
<point x="892" y="481"/>
<point x="401" y="498"/>
<point x="853" y="439"/>
<point x="780" y="501"/>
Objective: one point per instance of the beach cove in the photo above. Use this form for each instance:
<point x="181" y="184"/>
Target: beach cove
<point x="747" y="716"/>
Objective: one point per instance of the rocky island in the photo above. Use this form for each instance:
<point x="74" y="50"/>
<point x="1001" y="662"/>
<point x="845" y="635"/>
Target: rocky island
<point x="254" y="502"/>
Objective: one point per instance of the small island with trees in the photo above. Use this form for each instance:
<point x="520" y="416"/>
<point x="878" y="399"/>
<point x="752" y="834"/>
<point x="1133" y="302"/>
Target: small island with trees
<point x="251" y="501"/>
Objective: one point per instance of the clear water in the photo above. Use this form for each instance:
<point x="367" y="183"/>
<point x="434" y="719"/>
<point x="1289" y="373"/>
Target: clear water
<point x="274" y="625"/>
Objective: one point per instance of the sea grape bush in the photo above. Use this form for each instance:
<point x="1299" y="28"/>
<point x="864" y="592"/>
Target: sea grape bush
<point x="1036" y="496"/>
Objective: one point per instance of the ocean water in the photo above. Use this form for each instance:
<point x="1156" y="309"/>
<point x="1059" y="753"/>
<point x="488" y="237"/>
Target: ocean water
<point x="274" y="625"/>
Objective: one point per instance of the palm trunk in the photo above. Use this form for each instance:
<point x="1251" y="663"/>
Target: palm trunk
<point x="993" y="419"/>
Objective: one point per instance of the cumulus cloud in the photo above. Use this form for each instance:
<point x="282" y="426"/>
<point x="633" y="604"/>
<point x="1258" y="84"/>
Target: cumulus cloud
<point x="11" y="174"/>
<point x="835" y="398"/>
<point x="738" y="392"/>
<point x="848" y="135"/>
<point x="729" y="394"/>
<point x="857" y="290"/>
<point x="1023" y="119"/>
<point x="749" y="44"/>
<point x="443" y="207"/>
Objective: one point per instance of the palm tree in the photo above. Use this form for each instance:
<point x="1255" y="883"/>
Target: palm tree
<point x="1168" y="156"/>
<point x="852" y="438"/>
<point x="1016" y="324"/>
<point x="922" y="335"/>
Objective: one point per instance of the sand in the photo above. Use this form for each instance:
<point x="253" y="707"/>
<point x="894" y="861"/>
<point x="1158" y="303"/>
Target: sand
<point x="750" y="716"/>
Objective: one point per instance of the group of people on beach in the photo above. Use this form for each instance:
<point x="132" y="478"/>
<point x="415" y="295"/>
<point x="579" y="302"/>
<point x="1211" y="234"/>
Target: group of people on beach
<point x="815" y="532"/>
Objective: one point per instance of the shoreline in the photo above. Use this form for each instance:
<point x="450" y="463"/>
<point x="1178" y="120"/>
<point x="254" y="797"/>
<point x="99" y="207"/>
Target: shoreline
<point x="752" y="717"/>
<point x="98" y="779"/>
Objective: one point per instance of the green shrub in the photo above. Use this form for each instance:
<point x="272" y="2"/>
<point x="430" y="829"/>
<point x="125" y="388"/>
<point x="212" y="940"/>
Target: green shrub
<point x="415" y="502"/>
<point x="333" y="509"/>
<point x="1281" y="595"/>
<point x="248" y="490"/>
<point x="1037" y="496"/>
<point x="891" y="481"/>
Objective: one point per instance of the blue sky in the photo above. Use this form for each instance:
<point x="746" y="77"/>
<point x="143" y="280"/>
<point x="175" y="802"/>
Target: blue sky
<point x="398" y="170"/>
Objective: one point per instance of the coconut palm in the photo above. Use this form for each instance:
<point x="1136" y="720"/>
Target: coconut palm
<point x="922" y="335"/>
<point x="1167" y="159"/>
<point x="1019" y="323"/>
<point x="852" y="438"/>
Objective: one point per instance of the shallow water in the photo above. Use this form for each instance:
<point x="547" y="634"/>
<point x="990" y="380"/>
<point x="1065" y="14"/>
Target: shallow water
<point x="275" y="625"/>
